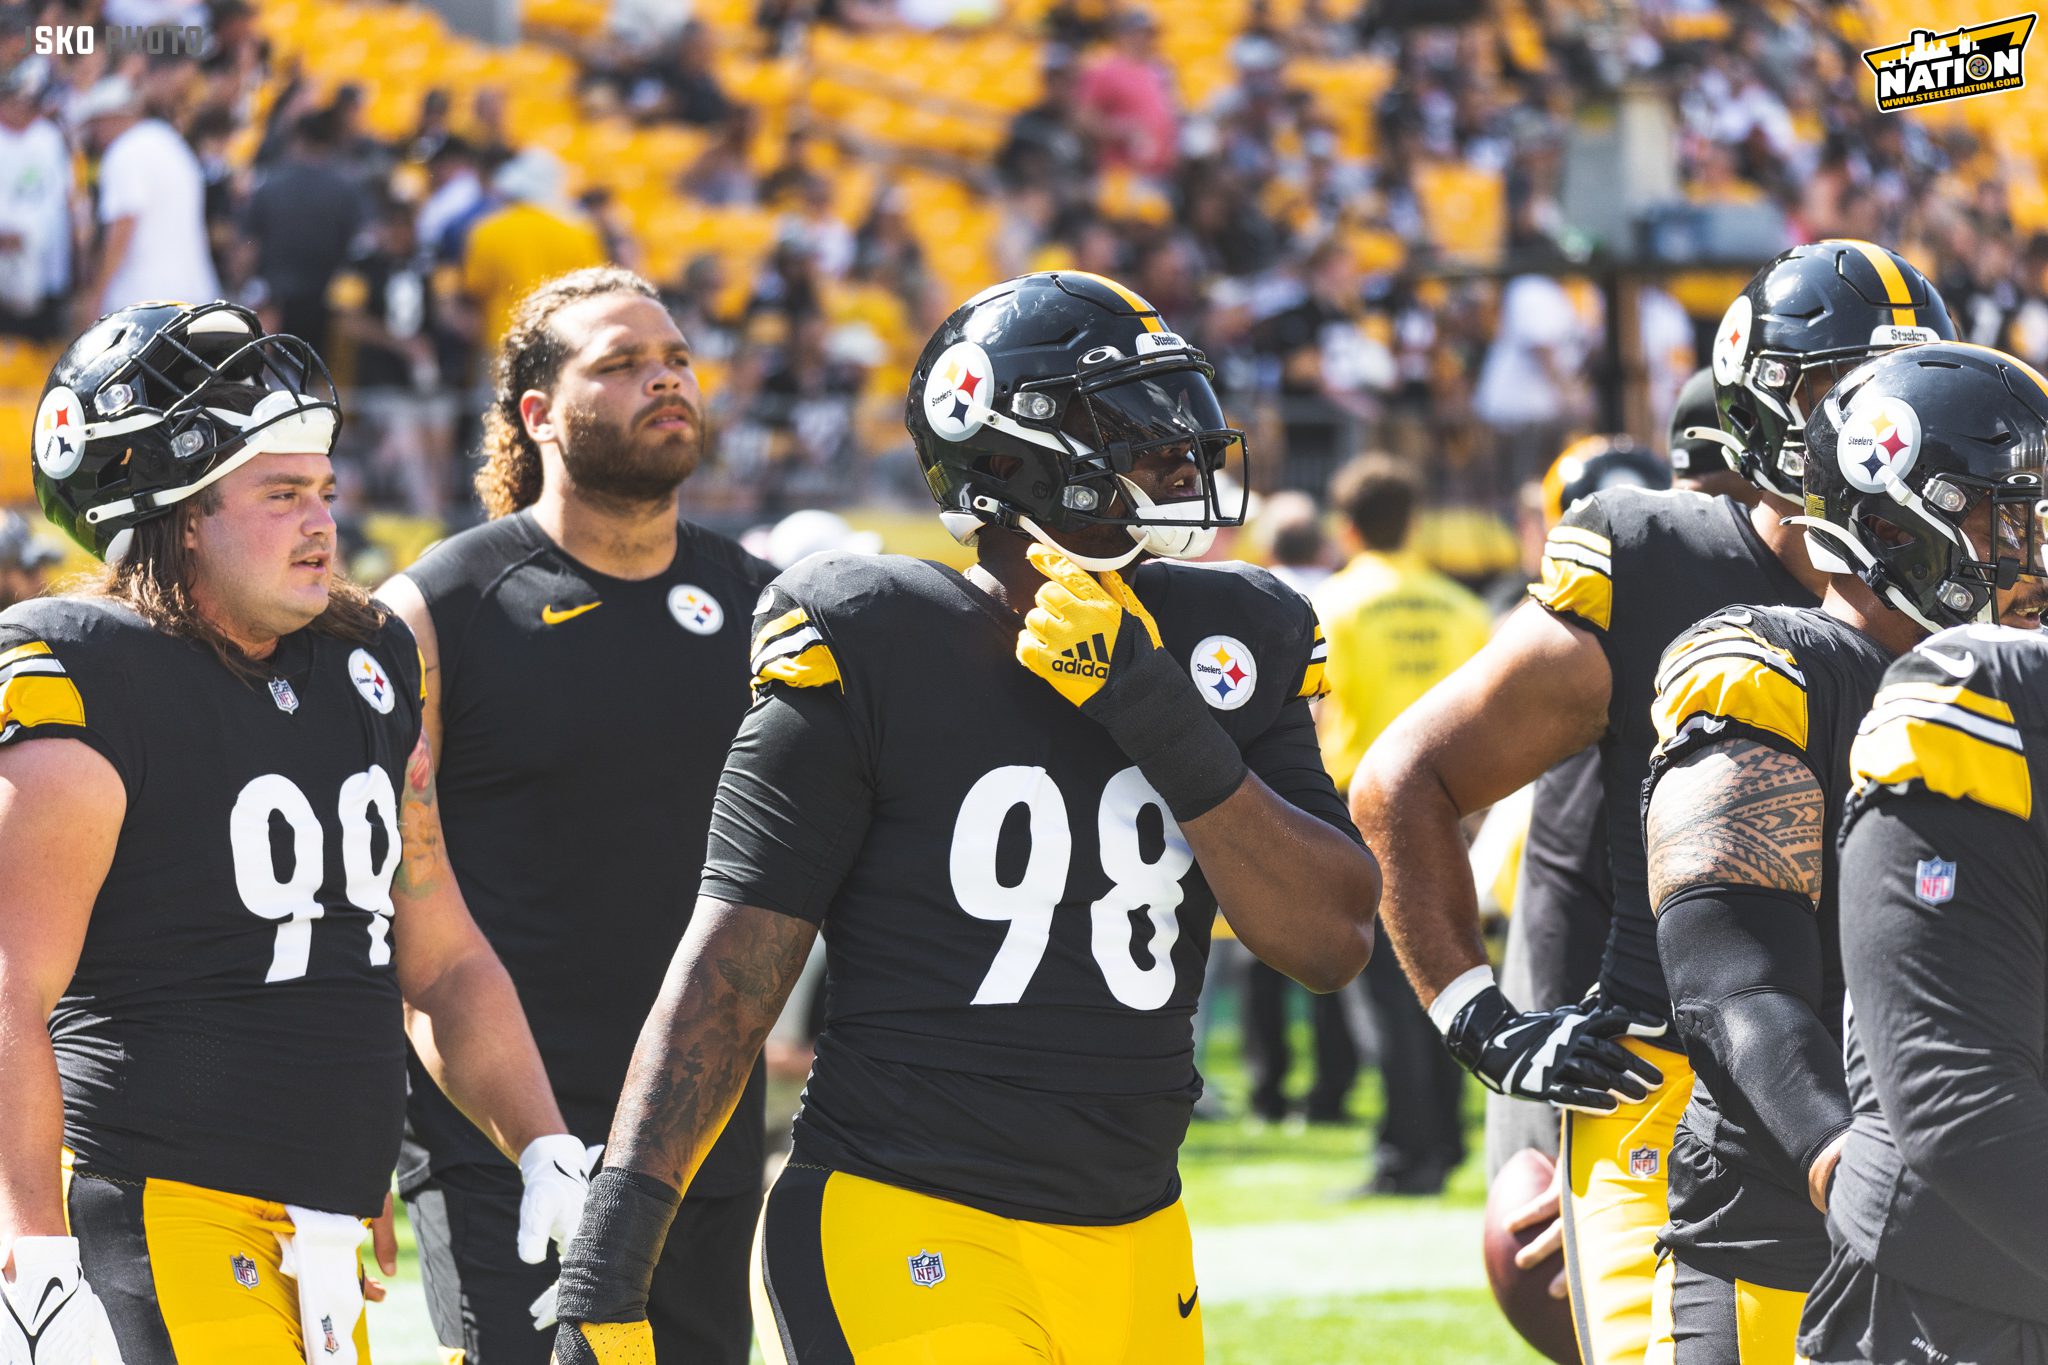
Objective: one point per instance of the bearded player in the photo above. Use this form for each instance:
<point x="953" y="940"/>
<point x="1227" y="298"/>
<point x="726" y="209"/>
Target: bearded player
<point x="224" y="904"/>
<point x="1624" y="573"/>
<point x="1014" y="798"/>
<point x="1923" y="470"/>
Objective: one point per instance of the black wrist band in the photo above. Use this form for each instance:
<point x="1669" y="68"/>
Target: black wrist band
<point x="1187" y="757"/>
<point x="610" y="1264"/>
<point x="1478" y="1021"/>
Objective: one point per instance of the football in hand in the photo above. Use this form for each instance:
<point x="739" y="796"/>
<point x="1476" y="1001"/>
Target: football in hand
<point x="1524" y="1295"/>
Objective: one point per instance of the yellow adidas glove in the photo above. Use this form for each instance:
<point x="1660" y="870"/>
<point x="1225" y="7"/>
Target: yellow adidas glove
<point x="1070" y="638"/>
<point x="1093" y="640"/>
<point x="605" y="1343"/>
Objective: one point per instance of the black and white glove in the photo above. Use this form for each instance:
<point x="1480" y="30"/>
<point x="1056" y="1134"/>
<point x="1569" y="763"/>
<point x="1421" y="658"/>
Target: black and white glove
<point x="48" y="1314"/>
<point x="1566" y="1056"/>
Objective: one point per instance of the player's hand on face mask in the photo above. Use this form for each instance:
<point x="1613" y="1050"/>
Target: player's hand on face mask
<point x="48" y="1314"/>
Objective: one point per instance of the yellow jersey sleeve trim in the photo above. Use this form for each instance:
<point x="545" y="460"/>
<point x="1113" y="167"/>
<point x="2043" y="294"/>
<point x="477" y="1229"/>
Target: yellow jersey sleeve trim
<point x="812" y="667"/>
<point x="1574" y="587"/>
<point x="1947" y="761"/>
<point x="790" y="619"/>
<point x="1313" y="683"/>
<point x="31" y="699"/>
<point x="1581" y="537"/>
<point x="1731" y="683"/>
<point x="1991" y="708"/>
<point x="31" y="650"/>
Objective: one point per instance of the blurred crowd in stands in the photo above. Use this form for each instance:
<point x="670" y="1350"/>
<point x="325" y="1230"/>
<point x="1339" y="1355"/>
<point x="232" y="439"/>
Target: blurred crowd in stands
<point x="1404" y="277"/>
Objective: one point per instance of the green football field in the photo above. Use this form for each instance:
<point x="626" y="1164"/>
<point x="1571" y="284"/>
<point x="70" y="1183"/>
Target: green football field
<point x="1293" y="1270"/>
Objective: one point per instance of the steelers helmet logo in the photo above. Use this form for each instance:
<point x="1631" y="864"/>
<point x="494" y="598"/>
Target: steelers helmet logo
<point x="695" y="610"/>
<point x="372" y="682"/>
<point x="1880" y="440"/>
<point x="958" y="391"/>
<point x="60" y="433"/>
<point x="1224" y="672"/>
<point x="1731" y="341"/>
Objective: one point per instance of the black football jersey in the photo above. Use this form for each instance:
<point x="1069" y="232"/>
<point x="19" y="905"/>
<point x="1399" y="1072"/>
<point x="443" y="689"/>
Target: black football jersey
<point x="1636" y="567"/>
<point x="1796" y="680"/>
<point x="234" y="1021"/>
<point x="1015" y="927"/>
<point x="1947" y="829"/>
<point x="584" y="722"/>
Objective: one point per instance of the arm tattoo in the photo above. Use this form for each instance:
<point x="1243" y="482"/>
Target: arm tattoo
<point x="1738" y="813"/>
<point x="724" y="990"/>
<point x="419" y="826"/>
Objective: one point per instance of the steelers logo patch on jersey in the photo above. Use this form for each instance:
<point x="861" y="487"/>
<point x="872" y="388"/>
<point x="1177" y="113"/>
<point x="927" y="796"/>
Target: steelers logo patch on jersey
<point x="60" y="433"/>
<point x="1880" y="440"/>
<point x="958" y="390"/>
<point x="1224" y="671"/>
<point x="1731" y="341"/>
<point x="372" y="682"/>
<point x="696" y="610"/>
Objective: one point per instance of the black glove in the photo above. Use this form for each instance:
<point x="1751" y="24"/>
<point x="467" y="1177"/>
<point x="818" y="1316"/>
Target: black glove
<point x="607" y="1269"/>
<point x="1564" y="1056"/>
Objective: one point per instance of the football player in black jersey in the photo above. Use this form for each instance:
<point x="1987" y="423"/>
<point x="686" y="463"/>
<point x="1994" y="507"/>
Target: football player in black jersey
<point x="1625" y="572"/>
<point x="585" y="580"/>
<point x="1938" y="1214"/>
<point x="222" y="885"/>
<point x="1014" y="799"/>
<point x="1923" y="470"/>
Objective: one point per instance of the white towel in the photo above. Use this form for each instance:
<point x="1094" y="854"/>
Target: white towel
<point x="320" y="1253"/>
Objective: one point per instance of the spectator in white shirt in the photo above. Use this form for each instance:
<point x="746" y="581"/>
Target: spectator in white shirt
<point x="152" y="207"/>
<point x="35" y="207"/>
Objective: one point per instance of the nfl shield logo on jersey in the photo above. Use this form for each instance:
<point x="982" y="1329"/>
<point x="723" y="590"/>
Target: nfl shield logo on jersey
<point x="281" y="693"/>
<point x="331" y="1346"/>
<point x="245" y="1270"/>
<point x="927" y="1268"/>
<point x="1642" y="1162"/>
<point x="1935" y="881"/>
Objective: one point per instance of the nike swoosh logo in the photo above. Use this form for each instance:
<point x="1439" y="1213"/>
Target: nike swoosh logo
<point x="1187" y="1305"/>
<point x="551" y="617"/>
<point x="1956" y="666"/>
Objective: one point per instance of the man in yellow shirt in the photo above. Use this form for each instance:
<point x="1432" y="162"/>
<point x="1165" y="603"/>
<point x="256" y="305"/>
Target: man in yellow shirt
<point x="1395" y="627"/>
<point x="531" y="239"/>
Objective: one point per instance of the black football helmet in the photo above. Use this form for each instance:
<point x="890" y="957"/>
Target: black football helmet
<point x="1805" y="320"/>
<point x="1592" y="463"/>
<point x="1900" y="455"/>
<point x="1037" y="396"/>
<point x="158" y="400"/>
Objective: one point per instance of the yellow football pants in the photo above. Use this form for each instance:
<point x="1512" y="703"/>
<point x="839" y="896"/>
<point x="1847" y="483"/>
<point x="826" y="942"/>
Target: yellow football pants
<point x="847" y="1271"/>
<point x="1699" y="1320"/>
<point x="1618" y="1171"/>
<point x="189" y="1276"/>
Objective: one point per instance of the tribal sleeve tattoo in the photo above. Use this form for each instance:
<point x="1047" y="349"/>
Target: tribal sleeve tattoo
<point x="1741" y="814"/>
<point x="725" y="987"/>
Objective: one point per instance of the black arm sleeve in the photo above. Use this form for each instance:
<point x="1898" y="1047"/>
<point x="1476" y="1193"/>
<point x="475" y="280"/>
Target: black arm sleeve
<point x="792" y="806"/>
<point x="1744" y="967"/>
<point x="1949" y="1005"/>
<point x="1287" y="759"/>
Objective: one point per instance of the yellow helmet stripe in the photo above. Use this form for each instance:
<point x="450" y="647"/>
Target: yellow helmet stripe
<point x="1888" y="272"/>
<point x="1147" y="313"/>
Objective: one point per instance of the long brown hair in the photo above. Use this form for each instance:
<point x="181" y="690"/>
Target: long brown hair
<point x="531" y="357"/>
<point x="154" y="579"/>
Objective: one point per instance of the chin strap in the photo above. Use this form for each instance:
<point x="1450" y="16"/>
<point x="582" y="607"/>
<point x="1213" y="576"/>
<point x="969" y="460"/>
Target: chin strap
<point x="1092" y="563"/>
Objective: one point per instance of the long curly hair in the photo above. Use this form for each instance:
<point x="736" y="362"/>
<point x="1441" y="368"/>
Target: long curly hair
<point x="531" y="357"/>
<point x="154" y="579"/>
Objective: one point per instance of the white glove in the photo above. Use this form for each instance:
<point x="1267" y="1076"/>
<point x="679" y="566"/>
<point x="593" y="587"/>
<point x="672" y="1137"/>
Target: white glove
<point x="48" y="1315"/>
<point x="543" y="1308"/>
<point x="556" y="1171"/>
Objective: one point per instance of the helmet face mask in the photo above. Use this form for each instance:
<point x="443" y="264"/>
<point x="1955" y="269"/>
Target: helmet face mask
<point x="1802" y="324"/>
<point x="1926" y="480"/>
<point x="1046" y="404"/>
<point x="157" y="401"/>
